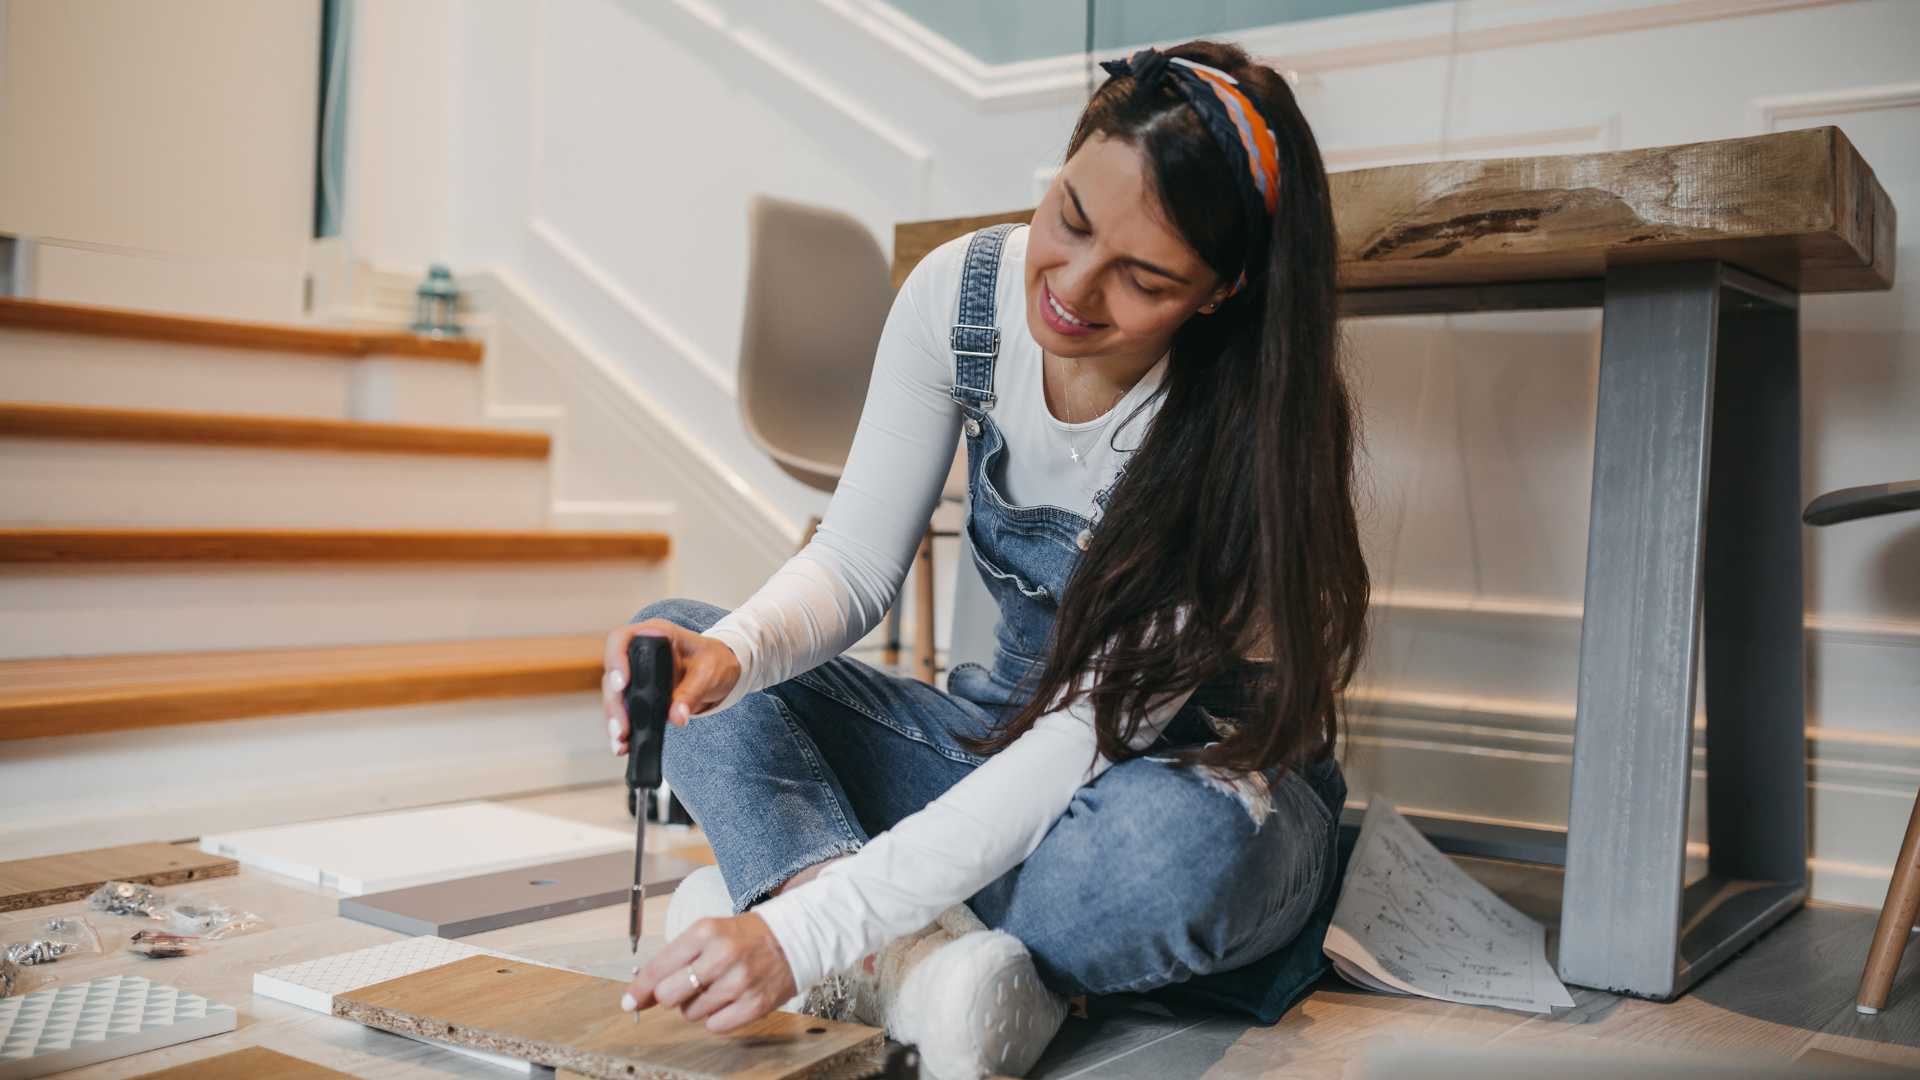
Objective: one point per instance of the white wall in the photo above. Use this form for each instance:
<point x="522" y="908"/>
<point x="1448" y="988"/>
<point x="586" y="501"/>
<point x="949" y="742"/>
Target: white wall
<point x="161" y="155"/>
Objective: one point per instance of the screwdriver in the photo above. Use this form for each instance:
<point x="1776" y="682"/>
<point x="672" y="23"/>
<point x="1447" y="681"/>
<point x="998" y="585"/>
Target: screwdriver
<point x="649" y="691"/>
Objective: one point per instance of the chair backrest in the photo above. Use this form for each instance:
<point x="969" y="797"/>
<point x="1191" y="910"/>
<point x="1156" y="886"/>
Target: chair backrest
<point x="818" y="294"/>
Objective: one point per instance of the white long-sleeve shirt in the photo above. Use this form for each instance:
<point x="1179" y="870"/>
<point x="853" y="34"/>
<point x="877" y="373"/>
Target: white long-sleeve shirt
<point x="838" y="587"/>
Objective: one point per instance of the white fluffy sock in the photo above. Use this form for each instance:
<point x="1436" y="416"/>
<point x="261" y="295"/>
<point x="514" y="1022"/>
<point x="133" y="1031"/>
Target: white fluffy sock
<point x="975" y="1005"/>
<point x="969" y="997"/>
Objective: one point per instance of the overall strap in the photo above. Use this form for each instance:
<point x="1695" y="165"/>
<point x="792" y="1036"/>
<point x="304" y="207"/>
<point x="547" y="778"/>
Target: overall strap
<point x="975" y="339"/>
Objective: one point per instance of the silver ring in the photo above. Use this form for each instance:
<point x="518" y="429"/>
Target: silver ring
<point x="696" y="980"/>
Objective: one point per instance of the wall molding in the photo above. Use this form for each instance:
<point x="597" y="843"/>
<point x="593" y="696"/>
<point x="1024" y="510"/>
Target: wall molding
<point x="1900" y="633"/>
<point x="743" y="507"/>
<point x="1298" y="48"/>
<point x="1763" y="113"/>
<point x="1603" y="134"/>
<point x="888" y="146"/>
<point x="384" y="296"/>
<point x="1543" y="731"/>
<point x="609" y="286"/>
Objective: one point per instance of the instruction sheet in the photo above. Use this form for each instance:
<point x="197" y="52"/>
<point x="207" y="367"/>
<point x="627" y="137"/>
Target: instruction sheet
<point x="1410" y="921"/>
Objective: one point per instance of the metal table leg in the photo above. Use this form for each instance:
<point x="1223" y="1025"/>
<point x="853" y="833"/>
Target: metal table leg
<point x="1695" y="504"/>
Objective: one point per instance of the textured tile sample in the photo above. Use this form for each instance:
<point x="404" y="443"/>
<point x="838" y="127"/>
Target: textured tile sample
<point x="65" y="1027"/>
<point x="311" y="984"/>
<point x="564" y="1019"/>
<point x="378" y="852"/>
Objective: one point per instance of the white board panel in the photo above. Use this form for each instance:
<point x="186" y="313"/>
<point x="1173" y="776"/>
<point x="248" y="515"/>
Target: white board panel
<point x="377" y="852"/>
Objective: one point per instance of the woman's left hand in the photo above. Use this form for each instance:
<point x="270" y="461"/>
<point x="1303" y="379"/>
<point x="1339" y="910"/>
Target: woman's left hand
<point x="742" y="971"/>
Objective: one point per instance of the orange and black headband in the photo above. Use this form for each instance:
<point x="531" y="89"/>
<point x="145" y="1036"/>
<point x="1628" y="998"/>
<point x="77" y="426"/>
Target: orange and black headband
<point x="1233" y="121"/>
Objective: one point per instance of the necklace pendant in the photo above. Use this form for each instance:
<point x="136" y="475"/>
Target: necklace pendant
<point x="1074" y="452"/>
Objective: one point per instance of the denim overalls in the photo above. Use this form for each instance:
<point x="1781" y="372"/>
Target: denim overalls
<point x="1184" y="884"/>
<point x="1025" y="555"/>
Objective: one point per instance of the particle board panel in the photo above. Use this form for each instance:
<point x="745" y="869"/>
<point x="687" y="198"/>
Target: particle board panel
<point x="1801" y="208"/>
<point x="56" y="879"/>
<point x="253" y="1063"/>
<point x="381" y="852"/>
<point x="463" y="906"/>
<point x="65" y="1027"/>
<point x="567" y="1020"/>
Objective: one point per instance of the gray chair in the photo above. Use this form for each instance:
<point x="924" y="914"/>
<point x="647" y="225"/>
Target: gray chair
<point x="818" y="293"/>
<point x="1903" y="892"/>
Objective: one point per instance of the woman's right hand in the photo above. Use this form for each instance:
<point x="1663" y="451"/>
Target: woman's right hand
<point x="704" y="671"/>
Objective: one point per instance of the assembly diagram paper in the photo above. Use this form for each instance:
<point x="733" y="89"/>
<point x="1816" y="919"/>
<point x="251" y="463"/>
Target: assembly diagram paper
<point x="1409" y="921"/>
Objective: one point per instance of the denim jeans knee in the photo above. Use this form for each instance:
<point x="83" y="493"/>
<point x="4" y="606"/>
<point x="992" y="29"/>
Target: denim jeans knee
<point x="695" y="615"/>
<point x="1224" y="887"/>
<point x="756" y="784"/>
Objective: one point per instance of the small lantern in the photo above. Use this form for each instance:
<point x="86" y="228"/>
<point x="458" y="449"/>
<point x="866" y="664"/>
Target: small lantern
<point x="435" y="302"/>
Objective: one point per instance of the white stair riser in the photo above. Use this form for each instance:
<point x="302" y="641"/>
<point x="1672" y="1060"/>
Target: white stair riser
<point x="412" y="391"/>
<point x="79" y="482"/>
<point x="62" y="609"/>
<point x="82" y="791"/>
<point x="76" y="369"/>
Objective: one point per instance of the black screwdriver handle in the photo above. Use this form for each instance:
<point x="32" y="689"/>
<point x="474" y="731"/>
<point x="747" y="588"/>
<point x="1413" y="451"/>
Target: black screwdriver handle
<point x="649" y="691"/>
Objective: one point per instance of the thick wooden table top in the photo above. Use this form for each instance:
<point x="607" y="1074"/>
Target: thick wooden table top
<point x="1800" y="208"/>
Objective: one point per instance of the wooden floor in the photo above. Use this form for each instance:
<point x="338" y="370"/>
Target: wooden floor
<point x="1788" y="996"/>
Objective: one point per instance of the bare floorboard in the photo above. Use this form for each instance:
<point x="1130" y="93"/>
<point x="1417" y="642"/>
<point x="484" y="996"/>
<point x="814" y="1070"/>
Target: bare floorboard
<point x="1787" y="996"/>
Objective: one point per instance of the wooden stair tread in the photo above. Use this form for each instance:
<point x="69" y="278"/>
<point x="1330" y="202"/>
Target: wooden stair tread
<point x="229" y="333"/>
<point x="50" y="545"/>
<point x="83" y="694"/>
<point x="285" y="432"/>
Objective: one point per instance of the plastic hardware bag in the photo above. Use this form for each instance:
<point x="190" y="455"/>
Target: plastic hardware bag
<point x="126" y="898"/>
<point x="185" y="915"/>
<point x="60" y="936"/>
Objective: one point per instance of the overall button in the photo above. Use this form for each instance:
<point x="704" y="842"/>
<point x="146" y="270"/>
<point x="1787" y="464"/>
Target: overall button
<point x="1085" y="538"/>
<point x="973" y="428"/>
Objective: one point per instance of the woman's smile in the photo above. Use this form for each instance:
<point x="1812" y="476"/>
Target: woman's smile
<point x="1061" y="318"/>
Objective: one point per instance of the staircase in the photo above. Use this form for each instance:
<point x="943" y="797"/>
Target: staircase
<point x="316" y="538"/>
